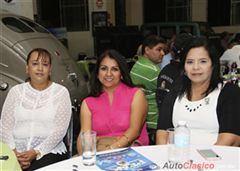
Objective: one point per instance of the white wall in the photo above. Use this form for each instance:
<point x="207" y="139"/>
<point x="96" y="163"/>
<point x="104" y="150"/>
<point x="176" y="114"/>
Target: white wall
<point x="199" y="13"/>
<point x="199" y="10"/>
<point x="230" y="29"/>
<point x="83" y="41"/>
<point x="21" y="7"/>
<point x="111" y="10"/>
<point x="80" y="42"/>
<point x="134" y="12"/>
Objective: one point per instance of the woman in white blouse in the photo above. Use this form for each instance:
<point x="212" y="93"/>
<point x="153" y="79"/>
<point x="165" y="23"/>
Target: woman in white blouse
<point x="36" y="115"/>
<point x="210" y="107"/>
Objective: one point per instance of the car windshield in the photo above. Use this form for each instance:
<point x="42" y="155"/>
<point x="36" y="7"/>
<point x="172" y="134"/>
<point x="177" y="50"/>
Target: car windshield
<point x="16" y="25"/>
<point x="22" y="25"/>
<point x="35" y="26"/>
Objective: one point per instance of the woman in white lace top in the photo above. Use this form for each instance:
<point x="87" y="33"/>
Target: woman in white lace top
<point x="36" y="115"/>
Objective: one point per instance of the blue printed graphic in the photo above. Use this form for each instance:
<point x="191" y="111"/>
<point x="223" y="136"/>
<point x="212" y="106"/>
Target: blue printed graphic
<point x="125" y="160"/>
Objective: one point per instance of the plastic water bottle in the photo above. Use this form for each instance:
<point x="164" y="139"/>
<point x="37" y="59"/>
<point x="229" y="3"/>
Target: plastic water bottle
<point x="182" y="142"/>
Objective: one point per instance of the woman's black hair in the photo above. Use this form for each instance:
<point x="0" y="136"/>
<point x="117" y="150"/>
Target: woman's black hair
<point x="95" y="84"/>
<point x="43" y="53"/>
<point x="215" y="77"/>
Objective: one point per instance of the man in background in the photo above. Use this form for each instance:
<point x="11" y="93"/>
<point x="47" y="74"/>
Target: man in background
<point x="145" y="73"/>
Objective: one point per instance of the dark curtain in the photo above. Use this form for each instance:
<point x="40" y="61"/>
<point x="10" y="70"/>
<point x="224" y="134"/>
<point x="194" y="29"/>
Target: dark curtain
<point x="48" y="13"/>
<point x="154" y="11"/>
<point x="219" y="12"/>
<point x="120" y="12"/>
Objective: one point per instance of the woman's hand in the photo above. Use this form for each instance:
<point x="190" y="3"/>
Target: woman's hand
<point x="25" y="158"/>
<point x="21" y="160"/>
<point x="161" y="137"/>
<point x="104" y="143"/>
<point x="101" y="147"/>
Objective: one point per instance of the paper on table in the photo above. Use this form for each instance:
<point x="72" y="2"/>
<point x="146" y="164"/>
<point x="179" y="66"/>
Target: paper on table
<point x="125" y="160"/>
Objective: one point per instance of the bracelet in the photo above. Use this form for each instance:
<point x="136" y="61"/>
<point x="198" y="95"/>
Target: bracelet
<point x="126" y="139"/>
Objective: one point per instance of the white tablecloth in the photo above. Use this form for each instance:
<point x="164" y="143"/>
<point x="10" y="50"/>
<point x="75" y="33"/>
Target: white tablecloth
<point x="158" y="154"/>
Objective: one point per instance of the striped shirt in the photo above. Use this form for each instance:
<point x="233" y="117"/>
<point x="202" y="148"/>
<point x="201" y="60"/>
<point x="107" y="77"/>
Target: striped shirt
<point x="145" y="73"/>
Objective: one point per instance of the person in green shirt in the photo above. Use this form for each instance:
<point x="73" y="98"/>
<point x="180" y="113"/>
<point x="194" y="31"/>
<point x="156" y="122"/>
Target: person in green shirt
<point x="145" y="73"/>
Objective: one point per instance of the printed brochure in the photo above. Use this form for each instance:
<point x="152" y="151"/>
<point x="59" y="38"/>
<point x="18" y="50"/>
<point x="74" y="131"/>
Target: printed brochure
<point x="125" y="160"/>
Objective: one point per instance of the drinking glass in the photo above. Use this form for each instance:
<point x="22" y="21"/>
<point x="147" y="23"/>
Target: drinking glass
<point x="171" y="146"/>
<point x="88" y="140"/>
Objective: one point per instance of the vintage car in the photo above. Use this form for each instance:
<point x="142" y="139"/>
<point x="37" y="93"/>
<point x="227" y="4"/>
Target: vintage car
<point x="19" y="35"/>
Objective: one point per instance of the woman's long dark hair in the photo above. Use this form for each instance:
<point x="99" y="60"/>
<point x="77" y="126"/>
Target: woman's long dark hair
<point x="215" y="77"/>
<point x="95" y="84"/>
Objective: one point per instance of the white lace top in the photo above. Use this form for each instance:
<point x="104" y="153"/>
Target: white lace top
<point x="33" y="119"/>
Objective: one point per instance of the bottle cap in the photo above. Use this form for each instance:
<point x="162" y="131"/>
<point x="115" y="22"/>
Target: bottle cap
<point x="182" y="122"/>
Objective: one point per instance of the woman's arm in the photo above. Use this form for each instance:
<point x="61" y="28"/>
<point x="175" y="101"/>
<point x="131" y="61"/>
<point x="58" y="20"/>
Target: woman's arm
<point x="228" y="109"/>
<point x="86" y="124"/>
<point x="8" y="119"/>
<point x="165" y="118"/>
<point x="139" y="109"/>
<point x="161" y="137"/>
<point x="228" y="139"/>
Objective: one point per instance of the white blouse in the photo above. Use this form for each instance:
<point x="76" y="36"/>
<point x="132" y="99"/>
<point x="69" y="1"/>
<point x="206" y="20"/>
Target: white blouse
<point x="201" y="117"/>
<point x="33" y="119"/>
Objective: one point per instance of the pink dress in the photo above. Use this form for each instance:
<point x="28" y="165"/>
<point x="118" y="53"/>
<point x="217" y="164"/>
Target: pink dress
<point x="114" y="120"/>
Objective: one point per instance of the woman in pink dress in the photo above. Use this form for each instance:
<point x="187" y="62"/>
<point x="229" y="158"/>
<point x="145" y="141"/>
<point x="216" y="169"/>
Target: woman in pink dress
<point x="115" y="108"/>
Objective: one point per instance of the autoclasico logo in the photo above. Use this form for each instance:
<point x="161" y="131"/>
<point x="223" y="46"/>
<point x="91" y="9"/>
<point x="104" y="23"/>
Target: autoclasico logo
<point x="188" y="165"/>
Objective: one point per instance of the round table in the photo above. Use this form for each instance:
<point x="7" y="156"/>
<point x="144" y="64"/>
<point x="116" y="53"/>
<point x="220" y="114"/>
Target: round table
<point x="158" y="154"/>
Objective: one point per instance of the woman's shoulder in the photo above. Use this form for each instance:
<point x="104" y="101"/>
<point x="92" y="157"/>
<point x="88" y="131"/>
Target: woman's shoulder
<point x="93" y="98"/>
<point x="17" y="90"/>
<point x="86" y="99"/>
<point x="59" y="89"/>
<point x="122" y="91"/>
<point x="19" y="87"/>
<point x="92" y="101"/>
<point x="230" y="90"/>
<point x="127" y="89"/>
<point x="59" y="86"/>
<point x="230" y="87"/>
